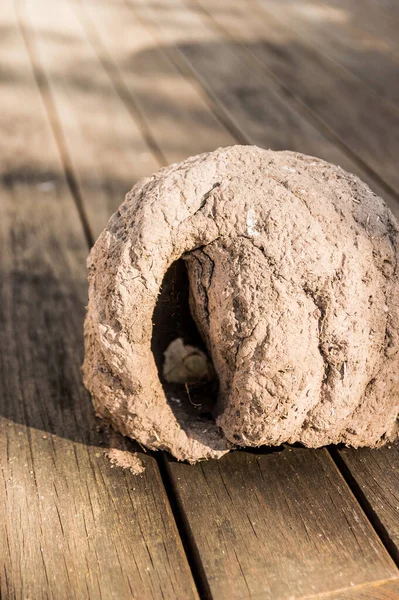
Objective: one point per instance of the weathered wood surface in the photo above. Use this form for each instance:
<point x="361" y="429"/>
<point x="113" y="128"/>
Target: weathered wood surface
<point x="347" y="33"/>
<point x="103" y="136"/>
<point x="172" y="27"/>
<point x="374" y="475"/>
<point x="386" y="590"/>
<point x="278" y="526"/>
<point x="208" y="42"/>
<point x="367" y="18"/>
<point x="128" y="86"/>
<point x="175" y="108"/>
<point x="359" y="120"/>
<point x="70" y="526"/>
<point x="251" y="102"/>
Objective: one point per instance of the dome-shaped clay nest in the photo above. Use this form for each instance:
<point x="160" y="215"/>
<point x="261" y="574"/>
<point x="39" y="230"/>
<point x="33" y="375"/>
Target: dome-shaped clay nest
<point x="288" y="266"/>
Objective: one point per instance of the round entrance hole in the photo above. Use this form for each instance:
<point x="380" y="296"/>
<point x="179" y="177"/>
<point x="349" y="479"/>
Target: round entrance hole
<point x="174" y="327"/>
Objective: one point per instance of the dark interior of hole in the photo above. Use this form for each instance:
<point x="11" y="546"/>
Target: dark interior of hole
<point x="172" y="319"/>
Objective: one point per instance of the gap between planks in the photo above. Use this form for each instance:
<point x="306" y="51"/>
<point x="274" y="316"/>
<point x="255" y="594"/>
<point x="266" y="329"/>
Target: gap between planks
<point x="53" y="118"/>
<point x="254" y="10"/>
<point x="61" y="544"/>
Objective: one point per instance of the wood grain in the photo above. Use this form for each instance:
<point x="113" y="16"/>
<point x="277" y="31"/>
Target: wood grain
<point x="277" y="526"/>
<point x="360" y="119"/>
<point x="386" y="590"/>
<point x="339" y="30"/>
<point x="103" y="138"/>
<point x="265" y="113"/>
<point x="262" y="115"/>
<point x="375" y="18"/>
<point x="259" y="525"/>
<point x="175" y="108"/>
<point x="151" y="55"/>
<point x="374" y="476"/>
<point x="71" y="526"/>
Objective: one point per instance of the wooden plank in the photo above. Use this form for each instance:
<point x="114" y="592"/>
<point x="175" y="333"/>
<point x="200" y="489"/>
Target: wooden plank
<point x="339" y="30"/>
<point x="358" y="119"/>
<point x="387" y="590"/>
<point x="220" y="574"/>
<point x="175" y="108"/>
<point x="106" y="103"/>
<point x="378" y="19"/>
<point x="373" y="480"/>
<point x="279" y="525"/>
<point x="251" y="98"/>
<point x="104" y="143"/>
<point x="71" y="526"/>
<point x="255" y="107"/>
<point x="374" y="477"/>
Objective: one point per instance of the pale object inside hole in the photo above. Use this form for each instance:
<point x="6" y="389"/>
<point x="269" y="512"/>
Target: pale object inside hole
<point x="186" y="364"/>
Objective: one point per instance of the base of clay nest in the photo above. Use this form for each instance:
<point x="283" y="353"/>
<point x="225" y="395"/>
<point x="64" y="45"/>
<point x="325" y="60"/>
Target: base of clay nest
<point x="246" y="297"/>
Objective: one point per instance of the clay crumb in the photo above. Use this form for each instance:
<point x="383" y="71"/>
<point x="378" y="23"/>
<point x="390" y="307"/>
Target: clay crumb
<point x="125" y="460"/>
<point x="119" y="455"/>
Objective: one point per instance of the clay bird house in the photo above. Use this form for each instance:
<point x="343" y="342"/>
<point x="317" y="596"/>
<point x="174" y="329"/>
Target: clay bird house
<point x="246" y="297"/>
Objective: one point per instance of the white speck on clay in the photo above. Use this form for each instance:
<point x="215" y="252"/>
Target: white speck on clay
<point x="251" y="223"/>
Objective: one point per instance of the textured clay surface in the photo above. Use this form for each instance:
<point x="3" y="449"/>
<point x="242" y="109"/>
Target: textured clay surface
<point x="292" y="264"/>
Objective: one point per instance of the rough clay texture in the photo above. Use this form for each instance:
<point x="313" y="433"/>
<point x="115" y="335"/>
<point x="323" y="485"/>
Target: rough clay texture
<point x="292" y="265"/>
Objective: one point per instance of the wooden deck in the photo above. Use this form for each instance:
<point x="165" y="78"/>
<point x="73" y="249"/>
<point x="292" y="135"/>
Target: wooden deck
<point x="95" y="94"/>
